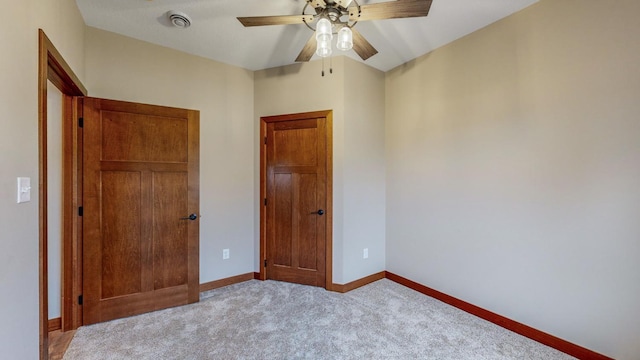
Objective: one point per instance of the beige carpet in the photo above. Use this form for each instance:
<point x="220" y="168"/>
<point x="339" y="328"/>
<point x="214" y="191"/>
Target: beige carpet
<point x="274" y="320"/>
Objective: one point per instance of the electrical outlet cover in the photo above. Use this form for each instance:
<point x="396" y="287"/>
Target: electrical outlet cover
<point x="24" y="189"/>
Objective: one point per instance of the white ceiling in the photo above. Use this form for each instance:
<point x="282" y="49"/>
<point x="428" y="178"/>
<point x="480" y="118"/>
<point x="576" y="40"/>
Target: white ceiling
<point x="218" y="35"/>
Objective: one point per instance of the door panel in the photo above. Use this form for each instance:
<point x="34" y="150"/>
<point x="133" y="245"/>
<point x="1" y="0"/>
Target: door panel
<point x="140" y="182"/>
<point x="307" y="220"/>
<point x="138" y="137"/>
<point x="295" y="147"/>
<point x="169" y="235"/>
<point x="296" y="189"/>
<point x="121" y="243"/>
<point x="283" y="202"/>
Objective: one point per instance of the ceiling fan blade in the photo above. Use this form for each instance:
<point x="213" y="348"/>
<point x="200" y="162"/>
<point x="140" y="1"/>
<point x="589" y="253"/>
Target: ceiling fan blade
<point x="308" y="50"/>
<point x="361" y="46"/>
<point x="275" y="20"/>
<point x="390" y="10"/>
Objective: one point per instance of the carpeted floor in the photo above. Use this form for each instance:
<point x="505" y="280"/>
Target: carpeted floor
<point x="275" y="320"/>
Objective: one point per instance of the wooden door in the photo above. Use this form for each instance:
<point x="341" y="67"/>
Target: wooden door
<point x="140" y="184"/>
<point x="297" y="210"/>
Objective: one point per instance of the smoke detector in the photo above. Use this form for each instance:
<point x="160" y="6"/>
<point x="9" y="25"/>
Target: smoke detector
<point x="179" y="19"/>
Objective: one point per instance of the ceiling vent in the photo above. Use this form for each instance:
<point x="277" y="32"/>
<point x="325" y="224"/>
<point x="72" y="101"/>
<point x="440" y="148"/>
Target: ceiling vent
<point x="179" y="19"/>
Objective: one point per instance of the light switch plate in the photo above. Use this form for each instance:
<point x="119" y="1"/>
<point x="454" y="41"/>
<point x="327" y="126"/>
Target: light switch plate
<point x="24" y="189"/>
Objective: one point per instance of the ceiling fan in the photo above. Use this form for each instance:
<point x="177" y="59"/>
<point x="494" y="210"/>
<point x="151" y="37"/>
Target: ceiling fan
<point x="340" y="16"/>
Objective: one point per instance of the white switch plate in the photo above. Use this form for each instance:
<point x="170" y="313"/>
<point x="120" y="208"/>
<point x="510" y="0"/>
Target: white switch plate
<point x="24" y="189"/>
<point x="365" y="253"/>
<point x="225" y="254"/>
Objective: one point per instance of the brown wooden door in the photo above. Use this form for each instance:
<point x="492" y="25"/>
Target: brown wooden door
<point x="140" y="179"/>
<point x="296" y="188"/>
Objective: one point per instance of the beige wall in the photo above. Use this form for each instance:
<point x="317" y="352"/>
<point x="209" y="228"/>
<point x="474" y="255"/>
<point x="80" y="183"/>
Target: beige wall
<point x="513" y="165"/>
<point x="301" y="88"/>
<point x="19" y="157"/>
<point x="126" y="69"/>
<point x="364" y="171"/>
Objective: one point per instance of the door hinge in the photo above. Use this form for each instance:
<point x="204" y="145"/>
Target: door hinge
<point x="265" y="140"/>
<point x="80" y="122"/>
<point x="80" y="300"/>
<point x="265" y="201"/>
<point x="80" y="211"/>
<point x="265" y="262"/>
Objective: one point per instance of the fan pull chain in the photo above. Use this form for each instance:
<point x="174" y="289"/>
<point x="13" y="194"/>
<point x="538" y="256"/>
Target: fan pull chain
<point x="330" y="64"/>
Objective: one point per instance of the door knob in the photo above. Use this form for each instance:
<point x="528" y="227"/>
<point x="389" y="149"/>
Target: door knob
<point x="320" y="212"/>
<point x="190" y="217"/>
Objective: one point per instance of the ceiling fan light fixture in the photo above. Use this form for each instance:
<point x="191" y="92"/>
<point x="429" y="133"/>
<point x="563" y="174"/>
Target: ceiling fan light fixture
<point x="324" y="48"/>
<point x="343" y="15"/>
<point x="323" y="30"/>
<point x="345" y="39"/>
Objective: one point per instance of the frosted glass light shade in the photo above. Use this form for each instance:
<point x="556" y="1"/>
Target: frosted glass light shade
<point x="323" y="30"/>
<point x="324" y="48"/>
<point x="345" y="39"/>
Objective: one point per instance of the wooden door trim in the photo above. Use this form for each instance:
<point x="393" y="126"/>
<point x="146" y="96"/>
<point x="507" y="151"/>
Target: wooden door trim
<point x="264" y="121"/>
<point x="52" y="67"/>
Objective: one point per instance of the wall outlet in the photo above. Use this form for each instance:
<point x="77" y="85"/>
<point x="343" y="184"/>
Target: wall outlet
<point x="365" y="253"/>
<point x="225" y="254"/>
